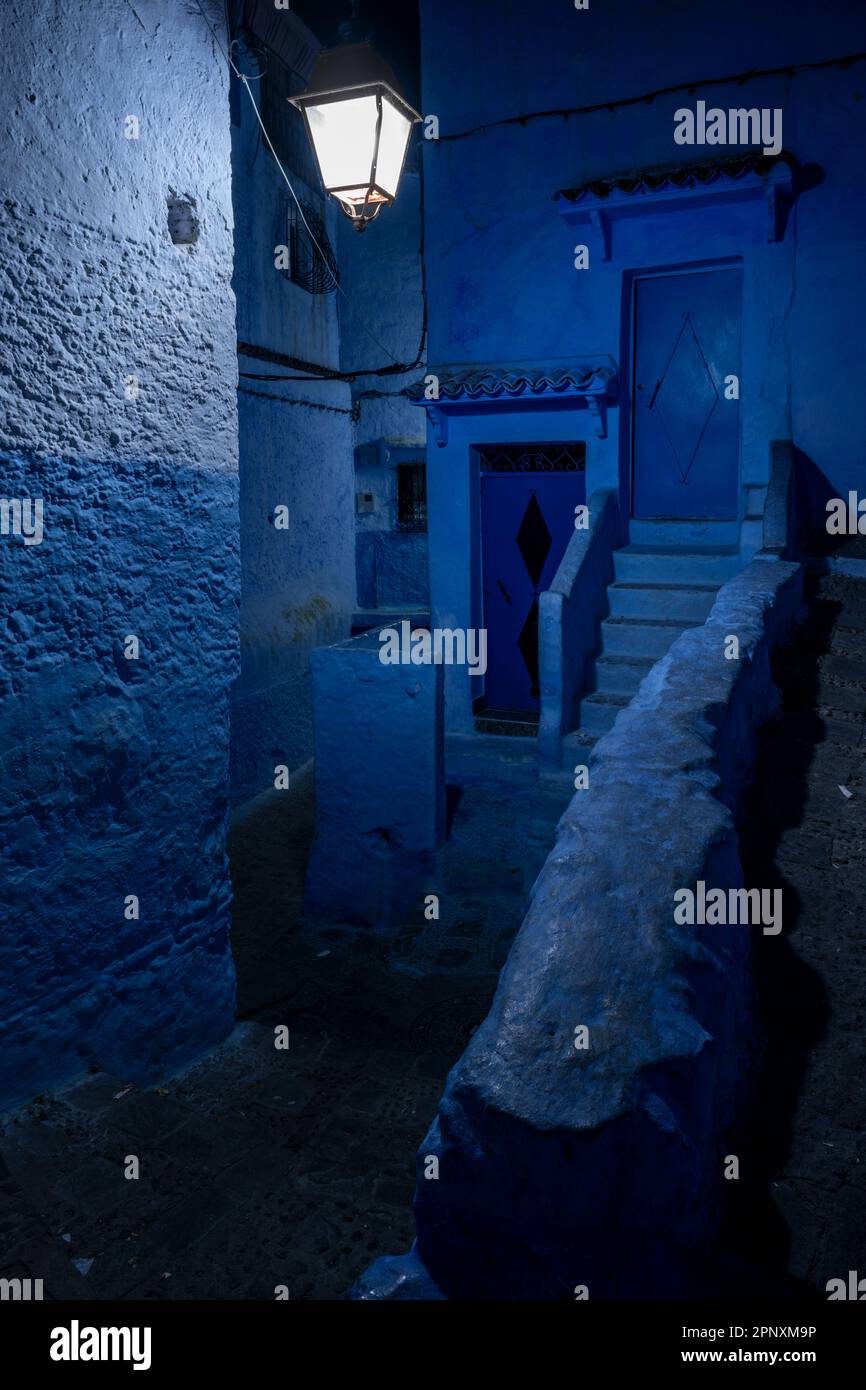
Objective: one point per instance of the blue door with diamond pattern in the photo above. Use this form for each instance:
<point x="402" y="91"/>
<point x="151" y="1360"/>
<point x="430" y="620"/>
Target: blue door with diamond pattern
<point x="685" y="425"/>
<point x="527" y="520"/>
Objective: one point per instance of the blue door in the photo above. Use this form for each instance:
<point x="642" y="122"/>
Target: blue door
<point x="527" y="520"/>
<point x="685" y="432"/>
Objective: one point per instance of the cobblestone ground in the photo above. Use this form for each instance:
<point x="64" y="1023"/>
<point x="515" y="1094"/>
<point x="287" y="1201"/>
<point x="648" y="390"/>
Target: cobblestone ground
<point x="800" y="1206"/>
<point x="261" y="1167"/>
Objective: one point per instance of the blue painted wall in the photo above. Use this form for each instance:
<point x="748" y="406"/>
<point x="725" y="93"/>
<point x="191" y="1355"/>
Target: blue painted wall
<point x="381" y="322"/>
<point x="295" y="442"/>
<point x="297" y="438"/>
<point x="392" y="569"/>
<point x="392" y="563"/>
<point x="114" y="772"/>
<point x="500" y="257"/>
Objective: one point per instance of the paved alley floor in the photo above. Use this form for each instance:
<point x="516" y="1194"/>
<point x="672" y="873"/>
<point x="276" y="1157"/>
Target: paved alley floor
<point x="261" y="1167"/>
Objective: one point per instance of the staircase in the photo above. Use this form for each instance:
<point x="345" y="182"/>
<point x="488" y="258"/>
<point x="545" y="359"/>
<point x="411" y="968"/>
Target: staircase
<point x="656" y="594"/>
<point x="659" y="589"/>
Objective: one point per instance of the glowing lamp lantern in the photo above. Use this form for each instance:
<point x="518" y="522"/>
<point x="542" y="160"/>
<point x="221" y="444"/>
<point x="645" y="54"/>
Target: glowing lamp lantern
<point x="359" y="127"/>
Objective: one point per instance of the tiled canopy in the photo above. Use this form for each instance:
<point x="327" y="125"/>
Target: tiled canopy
<point x="489" y="384"/>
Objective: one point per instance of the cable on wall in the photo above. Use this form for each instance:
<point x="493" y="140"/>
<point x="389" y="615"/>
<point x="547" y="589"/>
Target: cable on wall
<point x="296" y="400"/>
<point x="738" y="79"/>
<point x="396" y="367"/>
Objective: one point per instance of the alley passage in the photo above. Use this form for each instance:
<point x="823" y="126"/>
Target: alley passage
<point x="256" y="1173"/>
<point x="800" y="1207"/>
<point x="258" y="1167"/>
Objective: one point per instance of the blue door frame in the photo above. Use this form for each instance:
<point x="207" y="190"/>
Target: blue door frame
<point x="685" y="429"/>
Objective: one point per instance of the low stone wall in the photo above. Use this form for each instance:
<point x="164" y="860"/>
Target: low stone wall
<point x="562" y="1168"/>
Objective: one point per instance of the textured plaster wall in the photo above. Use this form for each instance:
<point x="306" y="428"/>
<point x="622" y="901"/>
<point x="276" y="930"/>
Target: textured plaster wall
<point x="298" y="584"/>
<point x="298" y="589"/>
<point x="115" y="771"/>
<point x="392" y="569"/>
<point x="382" y="318"/>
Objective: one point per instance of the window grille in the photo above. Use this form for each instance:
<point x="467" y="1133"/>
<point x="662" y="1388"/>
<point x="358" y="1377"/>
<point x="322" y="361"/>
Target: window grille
<point x="312" y="263"/>
<point x="411" y="497"/>
<point x="533" y="458"/>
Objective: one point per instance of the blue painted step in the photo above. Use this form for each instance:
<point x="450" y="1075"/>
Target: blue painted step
<point x="617" y="675"/>
<point x="690" y="603"/>
<point x="599" y="710"/>
<point x="684" y="535"/>
<point x="639" y="564"/>
<point x="658" y="592"/>
<point x="639" y="637"/>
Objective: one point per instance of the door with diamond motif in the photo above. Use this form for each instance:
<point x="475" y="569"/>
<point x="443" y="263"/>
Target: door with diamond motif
<point x="685" y="424"/>
<point x="527" y="520"/>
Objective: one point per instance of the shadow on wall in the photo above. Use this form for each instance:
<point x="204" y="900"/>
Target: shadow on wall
<point x="814" y="491"/>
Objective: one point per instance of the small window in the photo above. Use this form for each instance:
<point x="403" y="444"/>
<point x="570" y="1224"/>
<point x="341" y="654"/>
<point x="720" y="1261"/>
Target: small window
<point x="411" y="497"/>
<point x="311" y="260"/>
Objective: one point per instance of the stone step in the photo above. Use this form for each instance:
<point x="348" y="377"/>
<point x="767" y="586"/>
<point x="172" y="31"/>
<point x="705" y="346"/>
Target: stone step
<point x="687" y="602"/>
<point x="620" y="675"/>
<point x="639" y="637"/>
<point x="684" y="535"/>
<point x="494" y="758"/>
<point x="637" y="564"/>
<point x="598" y="711"/>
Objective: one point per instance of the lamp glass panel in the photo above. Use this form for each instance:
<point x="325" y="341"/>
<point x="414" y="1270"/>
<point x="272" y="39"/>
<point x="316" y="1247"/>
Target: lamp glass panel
<point x="392" y="146"/>
<point x="344" y="136"/>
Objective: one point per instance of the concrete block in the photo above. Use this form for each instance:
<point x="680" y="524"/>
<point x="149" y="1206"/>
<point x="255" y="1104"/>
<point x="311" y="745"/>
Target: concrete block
<point x="380" y="781"/>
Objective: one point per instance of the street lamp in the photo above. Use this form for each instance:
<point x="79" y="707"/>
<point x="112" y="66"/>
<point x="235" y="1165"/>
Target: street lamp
<point x="358" y="124"/>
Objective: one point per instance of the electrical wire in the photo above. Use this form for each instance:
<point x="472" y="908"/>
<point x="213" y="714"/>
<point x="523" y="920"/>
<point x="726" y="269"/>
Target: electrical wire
<point x="288" y="182"/>
<point x="396" y="367"/>
<point x="737" y="79"/>
<point x="296" y="400"/>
